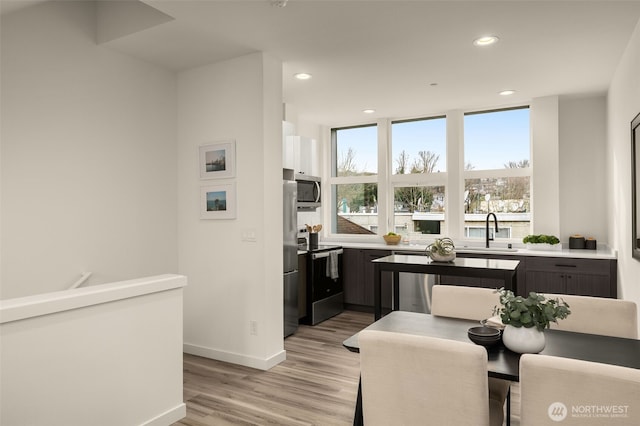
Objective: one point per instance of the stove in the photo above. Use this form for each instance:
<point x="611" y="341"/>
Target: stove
<point x="325" y="291"/>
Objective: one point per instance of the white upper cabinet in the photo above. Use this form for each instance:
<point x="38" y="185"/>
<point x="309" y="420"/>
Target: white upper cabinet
<point x="289" y="153"/>
<point x="298" y="152"/>
<point x="306" y="155"/>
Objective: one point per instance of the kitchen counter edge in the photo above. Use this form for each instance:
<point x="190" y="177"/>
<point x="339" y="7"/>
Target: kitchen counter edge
<point x="600" y="253"/>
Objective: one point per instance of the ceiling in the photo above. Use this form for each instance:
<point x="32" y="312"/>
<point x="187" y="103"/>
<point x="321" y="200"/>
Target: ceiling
<point x="402" y="58"/>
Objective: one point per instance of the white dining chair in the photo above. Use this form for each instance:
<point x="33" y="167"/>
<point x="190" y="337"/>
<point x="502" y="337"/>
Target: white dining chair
<point x="472" y="303"/>
<point x="414" y="380"/>
<point x="598" y="315"/>
<point x="565" y="391"/>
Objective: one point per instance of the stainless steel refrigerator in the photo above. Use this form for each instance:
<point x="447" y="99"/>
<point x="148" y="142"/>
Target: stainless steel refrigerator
<point x="290" y="242"/>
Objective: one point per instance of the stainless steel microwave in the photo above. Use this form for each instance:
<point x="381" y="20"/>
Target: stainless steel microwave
<point x="308" y="192"/>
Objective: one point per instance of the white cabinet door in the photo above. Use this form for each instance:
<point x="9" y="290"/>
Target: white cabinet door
<point x="307" y="156"/>
<point x="289" y="153"/>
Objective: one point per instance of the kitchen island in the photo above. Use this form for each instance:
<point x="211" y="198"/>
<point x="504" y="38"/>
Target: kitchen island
<point x="504" y="270"/>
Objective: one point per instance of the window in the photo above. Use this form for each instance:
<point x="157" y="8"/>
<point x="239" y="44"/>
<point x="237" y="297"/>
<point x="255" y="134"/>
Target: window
<point x="480" y="232"/>
<point x="408" y="190"/>
<point x="419" y="146"/>
<point x="419" y="149"/>
<point x="415" y="205"/>
<point x="496" y="139"/>
<point x="497" y="172"/>
<point x="354" y="184"/>
<point x="356" y="151"/>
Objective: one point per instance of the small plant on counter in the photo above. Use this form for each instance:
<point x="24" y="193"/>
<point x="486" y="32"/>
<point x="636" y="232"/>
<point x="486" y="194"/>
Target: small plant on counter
<point x="541" y="239"/>
<point x="441" y="250"/>
<point x="533" y="311"/>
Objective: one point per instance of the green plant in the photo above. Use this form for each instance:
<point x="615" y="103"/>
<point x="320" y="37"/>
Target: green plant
<point x="392" y="234"/>
<point x="540" y="239"/>
<point x="532" y="311"/>
<point x="442" y="246"/>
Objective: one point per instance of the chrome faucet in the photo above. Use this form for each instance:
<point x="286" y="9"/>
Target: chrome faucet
<point x="495" y="220"/>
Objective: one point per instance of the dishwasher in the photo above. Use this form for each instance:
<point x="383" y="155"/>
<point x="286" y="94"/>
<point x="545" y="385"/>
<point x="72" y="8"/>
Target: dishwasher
<point x="415" y="289"/>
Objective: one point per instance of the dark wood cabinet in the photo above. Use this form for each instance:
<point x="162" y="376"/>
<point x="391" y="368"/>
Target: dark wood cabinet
<point x="358" y="279"/>
<point x="586" y="277"/>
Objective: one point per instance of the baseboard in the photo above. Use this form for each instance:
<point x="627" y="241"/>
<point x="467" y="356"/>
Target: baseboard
<point x="168" y="417"/>
<point x="234" y="358"/>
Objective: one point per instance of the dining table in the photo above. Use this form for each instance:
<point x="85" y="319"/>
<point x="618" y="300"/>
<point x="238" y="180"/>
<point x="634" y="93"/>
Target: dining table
<point x="503" y="363"/>
<point x="500" y="269"/>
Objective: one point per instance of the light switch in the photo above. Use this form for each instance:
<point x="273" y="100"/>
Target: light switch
<point x="249" y="235"/>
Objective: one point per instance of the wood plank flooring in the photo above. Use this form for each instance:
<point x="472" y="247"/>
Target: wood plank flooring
<point x="316" y="385"/>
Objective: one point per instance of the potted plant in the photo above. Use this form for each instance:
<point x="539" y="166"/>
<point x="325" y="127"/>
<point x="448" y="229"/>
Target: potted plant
<point x="542" y="242"/>
<point x="526" y="318"/>
<point x="441" y="250"/>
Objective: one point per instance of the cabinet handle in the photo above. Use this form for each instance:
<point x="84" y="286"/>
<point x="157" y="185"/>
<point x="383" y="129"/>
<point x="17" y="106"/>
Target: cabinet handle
<point x="564" y="265"/>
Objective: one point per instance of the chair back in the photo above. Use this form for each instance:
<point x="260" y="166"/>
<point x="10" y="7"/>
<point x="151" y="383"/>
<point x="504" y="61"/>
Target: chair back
<point x="472" y="303"/>
<point x="599" y="315"/>
<point x="412" y="380"/>
<point x="565" y="391"/>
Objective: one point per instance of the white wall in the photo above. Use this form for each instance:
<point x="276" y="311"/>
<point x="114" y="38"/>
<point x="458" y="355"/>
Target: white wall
<point x="545" y="191"/>
<point x="94" y="356"/>
<point x="233" y="282"/>
<point x="623" y="103"/>
<point x="583" y="173"/>
<point x="88" y="156"/>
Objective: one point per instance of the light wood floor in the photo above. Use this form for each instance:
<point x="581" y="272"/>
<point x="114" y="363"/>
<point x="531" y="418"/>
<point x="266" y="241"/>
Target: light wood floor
<point x="316" y="385"/>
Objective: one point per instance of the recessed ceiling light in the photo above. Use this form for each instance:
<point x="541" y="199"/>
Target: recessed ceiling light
<point x="368" y="111"/>
<point x="302" y="76"/>
<point x="433" y="84"/>
<point x="485" y="40"/>
<point x="507" y="92"/>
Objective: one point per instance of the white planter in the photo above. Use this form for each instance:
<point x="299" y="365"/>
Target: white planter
<point x="523" y="340"/>
<point x="449" y="257"/>
<point x="544" y="246"/>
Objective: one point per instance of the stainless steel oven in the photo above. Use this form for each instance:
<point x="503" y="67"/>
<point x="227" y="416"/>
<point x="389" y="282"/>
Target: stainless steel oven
<point x="325" y="290"/>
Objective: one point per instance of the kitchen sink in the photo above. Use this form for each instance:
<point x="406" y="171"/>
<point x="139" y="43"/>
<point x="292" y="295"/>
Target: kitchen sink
<point x="486" y="250"/>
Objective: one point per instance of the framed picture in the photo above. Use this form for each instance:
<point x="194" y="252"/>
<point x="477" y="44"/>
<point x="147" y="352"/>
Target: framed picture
<point x="218" y="201"/>
<point x="218" y="160"/>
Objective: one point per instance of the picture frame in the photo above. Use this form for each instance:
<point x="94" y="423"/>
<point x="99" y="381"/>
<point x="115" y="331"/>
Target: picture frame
<point x="218" y="160"/>
<point x="218" y="201"/>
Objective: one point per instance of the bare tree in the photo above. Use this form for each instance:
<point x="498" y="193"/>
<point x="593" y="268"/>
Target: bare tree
<point x="346" y="163"/>
<point x="517" y="164"/>
<point x="516" y="188"/>
<point x="403" y="161"/>
<point x="426" y="162"/>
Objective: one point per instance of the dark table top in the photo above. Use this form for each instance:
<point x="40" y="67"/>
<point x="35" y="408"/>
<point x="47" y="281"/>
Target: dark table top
<point x="458" y="262"/>
<point x="503" y="363"/>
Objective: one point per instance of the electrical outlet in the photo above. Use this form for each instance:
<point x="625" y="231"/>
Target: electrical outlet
<point x="253" y="328"/>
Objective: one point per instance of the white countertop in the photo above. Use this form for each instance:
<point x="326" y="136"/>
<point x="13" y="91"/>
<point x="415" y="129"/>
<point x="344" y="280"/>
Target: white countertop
<point x="602" y="252"/>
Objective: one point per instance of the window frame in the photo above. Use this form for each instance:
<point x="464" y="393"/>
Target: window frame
<point x="497" y="173"/>
<point x="453" y="179"/>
